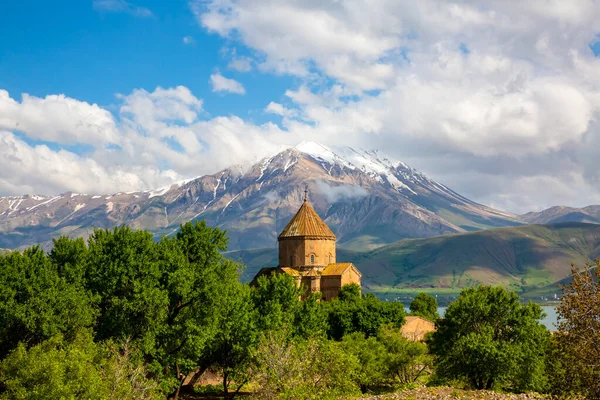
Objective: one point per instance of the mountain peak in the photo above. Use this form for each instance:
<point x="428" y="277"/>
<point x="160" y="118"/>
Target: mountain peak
<point x="313" y="148"/>
<point x="367" y="198"/>
<point x="371" y="162"/>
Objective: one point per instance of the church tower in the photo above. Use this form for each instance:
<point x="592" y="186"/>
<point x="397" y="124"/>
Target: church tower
<point x="306" y="242"/>
<point x="307" y="253"/>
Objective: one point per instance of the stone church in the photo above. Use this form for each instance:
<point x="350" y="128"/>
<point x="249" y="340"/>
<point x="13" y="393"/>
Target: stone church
<point x="307" y="252"/>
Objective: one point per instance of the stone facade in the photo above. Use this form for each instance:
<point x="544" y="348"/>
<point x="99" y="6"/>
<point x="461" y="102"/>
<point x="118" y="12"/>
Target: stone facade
<point x="307" y="252"/>
<point x="298" y="252"/>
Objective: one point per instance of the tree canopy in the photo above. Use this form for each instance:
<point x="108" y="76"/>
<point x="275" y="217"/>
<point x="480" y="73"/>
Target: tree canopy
<point x="577" y="342"/>
<point x="424" y="305"/>
<point x="487" y="338"/>
<point x="129" y="316"/>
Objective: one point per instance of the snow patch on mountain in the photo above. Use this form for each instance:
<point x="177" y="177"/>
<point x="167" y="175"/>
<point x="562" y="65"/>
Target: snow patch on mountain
<point x="371" y="162"/>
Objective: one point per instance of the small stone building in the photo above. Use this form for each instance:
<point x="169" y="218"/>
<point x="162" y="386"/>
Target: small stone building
<point x="416" y="328"/>
<point x="307" y="252"/>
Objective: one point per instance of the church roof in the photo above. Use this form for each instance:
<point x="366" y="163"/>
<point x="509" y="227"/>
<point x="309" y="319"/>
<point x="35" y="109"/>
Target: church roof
<point x="338" y="269"/>
<point x="290" y="271"/>
<point x="307" y="222"/>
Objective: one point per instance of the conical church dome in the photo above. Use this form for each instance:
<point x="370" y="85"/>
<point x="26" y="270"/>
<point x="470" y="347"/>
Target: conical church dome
<point x="307" y="223"/>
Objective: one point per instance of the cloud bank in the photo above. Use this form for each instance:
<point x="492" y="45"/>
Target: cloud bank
<point x="498" y="100"/>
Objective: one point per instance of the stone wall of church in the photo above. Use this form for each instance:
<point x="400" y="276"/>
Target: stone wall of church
<point x="330" y="287"/>
<point x="331" y="284"/>
<point x="298" y="252"/>
<point x="350" y="276"/>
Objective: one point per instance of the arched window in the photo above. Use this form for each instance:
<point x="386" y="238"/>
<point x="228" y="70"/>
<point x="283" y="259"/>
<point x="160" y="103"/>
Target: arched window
<point x="329" y="259"/>
<point x="312" y="258"/>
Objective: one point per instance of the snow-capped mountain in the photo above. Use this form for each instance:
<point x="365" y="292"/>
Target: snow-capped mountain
<point x="367" y="199"/>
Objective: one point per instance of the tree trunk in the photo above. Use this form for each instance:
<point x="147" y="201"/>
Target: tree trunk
<point x="480" y="384"/>
<point x="196" y="377"/>
<point x="175" y="395"/>
<point x="225" y="391"/>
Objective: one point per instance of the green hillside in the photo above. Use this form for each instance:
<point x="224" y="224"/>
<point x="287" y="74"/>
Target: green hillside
<point x="529" y="259"/>
<point x="522" y="258"/>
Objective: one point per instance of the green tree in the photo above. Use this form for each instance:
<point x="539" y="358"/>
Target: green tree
<point x="195" y="274"/>
<point x="275" y="299"/>
<point x="311" y="317"/>
<point x="424" y="305"/>
<point x="163" y="296"/>
<point x="68" y="256"/>
<point x="352" y="312"/>
<point x="122" y="269"/>
<point x="488" y="338"/>
<point x="350" y="292"/>
<point x="407" y="361"/>
<point x="233" y="347"/>
<point x="372" y="359"/>
<point x="36" y="303"/>
<point x="577" y="342"/>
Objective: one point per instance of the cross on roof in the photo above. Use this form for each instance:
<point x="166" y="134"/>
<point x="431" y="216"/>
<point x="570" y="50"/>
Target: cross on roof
<point x="305" y="194"/>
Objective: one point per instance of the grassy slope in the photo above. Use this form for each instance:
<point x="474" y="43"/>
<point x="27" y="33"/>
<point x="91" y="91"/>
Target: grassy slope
<point x="525" y="258"/>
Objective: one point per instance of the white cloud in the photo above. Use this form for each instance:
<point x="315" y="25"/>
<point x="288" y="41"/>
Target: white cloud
<point x="512" y="122"/>
<point x="57" y="118"/>
<point x="394" y="75"/>
<point x="341" y="192"/>
<point x="188" y="40"/>
<point x="159" y="138"/>
<point x="278" y="109"/>
<point x="221" y="84"/>
<point x="242" y="64"/>
<point x="121" y="6"/>
<point x="39" y="169"/>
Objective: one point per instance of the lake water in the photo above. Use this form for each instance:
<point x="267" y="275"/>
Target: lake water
<point x="549" y="321"/>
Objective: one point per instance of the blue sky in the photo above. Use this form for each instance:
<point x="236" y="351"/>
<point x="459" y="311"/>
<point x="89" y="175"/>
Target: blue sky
<point x="498" y="100"/>
<point x="74" y="48"/>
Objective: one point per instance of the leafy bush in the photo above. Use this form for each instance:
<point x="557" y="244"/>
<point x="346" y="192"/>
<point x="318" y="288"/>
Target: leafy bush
<point x="301" y="369"/>
<point x="372" y="359"/>
<point x="54" y="369"/>
<point x="77" y="369"/>
<point x="407" y="361"/>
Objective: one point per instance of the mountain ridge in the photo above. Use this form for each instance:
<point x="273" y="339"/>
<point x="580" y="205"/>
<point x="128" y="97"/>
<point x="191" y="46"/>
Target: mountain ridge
<point x="366" y="197"/>
<point x="556" y="214"/>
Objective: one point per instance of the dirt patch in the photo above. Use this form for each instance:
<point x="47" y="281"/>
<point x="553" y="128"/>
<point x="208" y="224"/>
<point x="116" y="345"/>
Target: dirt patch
<point x="449" y="393"/>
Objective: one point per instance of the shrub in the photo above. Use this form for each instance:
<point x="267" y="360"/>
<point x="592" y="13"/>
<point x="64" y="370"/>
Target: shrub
<point x="300" y="369"/>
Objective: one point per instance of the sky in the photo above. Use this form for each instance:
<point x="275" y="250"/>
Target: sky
<point x="498" y="100"/>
